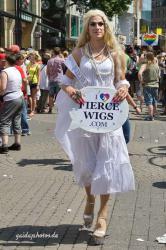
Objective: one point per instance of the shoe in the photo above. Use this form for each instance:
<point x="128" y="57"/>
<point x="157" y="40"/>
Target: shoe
<point x="99" y="232"/>
<point x="31" y="114"/>
<point x="88" y="218"/>
<point x="149" y="118"/>
<point x="44" y="111"/>
<point x="26" y="133"/>
<point x="4" y="149"/>
<point x="50" y="111"/>
<point x="15" y="146"/>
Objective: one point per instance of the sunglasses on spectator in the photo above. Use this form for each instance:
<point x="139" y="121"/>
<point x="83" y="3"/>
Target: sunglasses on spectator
<point x="93" y="24"/>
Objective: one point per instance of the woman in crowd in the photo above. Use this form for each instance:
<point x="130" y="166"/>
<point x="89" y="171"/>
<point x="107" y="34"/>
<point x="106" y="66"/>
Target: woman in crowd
<point x="33" y="71"/>
<point x="44" y="88"/>
<point x="10" y="112"/>
<point x="149" y="77"/>
<point x="100" y="160"/>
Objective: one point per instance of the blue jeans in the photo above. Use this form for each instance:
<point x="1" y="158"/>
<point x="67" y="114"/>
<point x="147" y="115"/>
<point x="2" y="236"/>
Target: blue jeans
<point x="24" y="122"/>
<point x="150" y="96"/>
<point x="126" y="130"/>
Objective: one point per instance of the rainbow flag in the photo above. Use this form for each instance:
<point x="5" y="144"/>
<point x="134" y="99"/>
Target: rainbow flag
<point x="150" y="39"/>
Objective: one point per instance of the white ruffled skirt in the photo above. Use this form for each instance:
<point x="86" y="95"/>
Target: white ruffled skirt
<point x="99" y="160"/>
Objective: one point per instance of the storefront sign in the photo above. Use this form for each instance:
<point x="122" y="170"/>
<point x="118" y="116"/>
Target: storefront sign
<point x="99" y="114"/>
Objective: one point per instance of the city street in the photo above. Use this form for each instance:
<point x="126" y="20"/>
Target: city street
<point x="41" y="205"/>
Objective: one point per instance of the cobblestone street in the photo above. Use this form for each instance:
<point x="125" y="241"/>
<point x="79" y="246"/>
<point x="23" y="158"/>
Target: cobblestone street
<point x="41" y="205"/>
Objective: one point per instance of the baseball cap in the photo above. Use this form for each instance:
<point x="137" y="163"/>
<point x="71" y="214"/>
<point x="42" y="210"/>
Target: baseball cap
<point x="2" y="57"/>
<point x="2" y="50"/>
<point x="14" y="48"/>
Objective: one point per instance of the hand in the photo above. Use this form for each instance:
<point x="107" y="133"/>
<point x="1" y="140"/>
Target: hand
<point x="75" y="94"/>
<point x="77" y="97"/>
<point x="138" y="110"/>
<point x="120" y="94"/>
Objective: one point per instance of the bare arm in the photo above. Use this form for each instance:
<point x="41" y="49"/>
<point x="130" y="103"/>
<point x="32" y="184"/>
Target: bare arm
<point x="143" y="67"/>
<point x="3" y="82"/>
<point x="131" y="101"/>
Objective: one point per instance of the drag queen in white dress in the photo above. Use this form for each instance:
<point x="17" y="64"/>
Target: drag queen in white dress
<point x="100" y="160"/>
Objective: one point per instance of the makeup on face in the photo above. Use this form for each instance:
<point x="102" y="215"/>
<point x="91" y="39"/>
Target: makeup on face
<point x="93" y="24"/>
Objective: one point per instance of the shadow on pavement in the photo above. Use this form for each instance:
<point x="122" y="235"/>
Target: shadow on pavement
<point x="159" y="156"/>
<point x="29" y="235"/>
<point x="161" y="184"/>
<point x="62" y="164"/>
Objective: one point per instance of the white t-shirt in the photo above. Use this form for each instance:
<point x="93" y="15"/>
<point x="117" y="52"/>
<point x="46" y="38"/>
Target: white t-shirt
<point x="14" y="83"/>
<point x="43" y="77"/>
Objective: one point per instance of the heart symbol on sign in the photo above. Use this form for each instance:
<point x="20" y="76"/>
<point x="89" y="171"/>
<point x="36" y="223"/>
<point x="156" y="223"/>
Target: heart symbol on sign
<point x="104" y="97"/>
<point x="149" y="38"/>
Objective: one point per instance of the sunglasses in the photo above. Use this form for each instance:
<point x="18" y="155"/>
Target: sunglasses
<point x="93" y="24"/>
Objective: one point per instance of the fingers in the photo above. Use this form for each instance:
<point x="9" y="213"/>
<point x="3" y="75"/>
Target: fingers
<point x="120" y="95"/>
<point x="77" y="97"/>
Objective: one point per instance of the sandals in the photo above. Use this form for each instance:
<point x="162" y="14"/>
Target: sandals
<point x="99" y="232"/>
<point x="31" y="113"/>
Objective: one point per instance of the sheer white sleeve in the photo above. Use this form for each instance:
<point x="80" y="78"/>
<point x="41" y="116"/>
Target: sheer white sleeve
<point x="121" y="83"/>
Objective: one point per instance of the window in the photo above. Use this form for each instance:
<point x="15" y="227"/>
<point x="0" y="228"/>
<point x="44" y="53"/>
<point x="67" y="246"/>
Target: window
<point x="74" y="26"/>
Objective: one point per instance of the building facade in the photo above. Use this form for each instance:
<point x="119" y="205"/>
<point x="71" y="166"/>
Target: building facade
<point x="159" y="16"/>
<point x="146" y="13"/>
<point x="20" y="23"/>
<point x="40" y="24"/>
<point x="74" y="16"/>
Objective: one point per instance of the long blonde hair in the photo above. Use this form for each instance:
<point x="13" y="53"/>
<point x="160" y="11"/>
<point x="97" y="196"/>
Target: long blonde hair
<point x="109" y="39"/>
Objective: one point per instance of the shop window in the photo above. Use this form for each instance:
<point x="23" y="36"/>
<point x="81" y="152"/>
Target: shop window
<point x="74" y="26"/>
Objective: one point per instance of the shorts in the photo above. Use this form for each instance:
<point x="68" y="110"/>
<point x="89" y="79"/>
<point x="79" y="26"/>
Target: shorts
<point x="150" y="95"/>
<point x="33" y="86"/>
<point x="11" y="115"/>
<point x="53" y="88"/>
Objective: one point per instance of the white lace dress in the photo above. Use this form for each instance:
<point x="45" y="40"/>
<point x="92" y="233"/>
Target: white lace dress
<point x="99" y="160"/>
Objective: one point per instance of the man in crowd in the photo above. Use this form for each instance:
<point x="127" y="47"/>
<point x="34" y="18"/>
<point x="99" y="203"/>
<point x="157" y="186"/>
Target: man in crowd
<point x="55" y="67"/>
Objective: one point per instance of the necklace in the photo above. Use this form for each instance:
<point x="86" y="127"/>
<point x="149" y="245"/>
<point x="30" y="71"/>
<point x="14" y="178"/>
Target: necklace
<point x="93" y="62"/>
<point x="98" y="53"/>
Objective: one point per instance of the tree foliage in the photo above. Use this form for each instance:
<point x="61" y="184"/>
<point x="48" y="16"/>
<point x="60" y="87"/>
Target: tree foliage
<point x="110" y="7"/>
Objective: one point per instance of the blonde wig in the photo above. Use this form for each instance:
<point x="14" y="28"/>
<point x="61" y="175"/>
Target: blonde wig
<point x="109" y="39"/>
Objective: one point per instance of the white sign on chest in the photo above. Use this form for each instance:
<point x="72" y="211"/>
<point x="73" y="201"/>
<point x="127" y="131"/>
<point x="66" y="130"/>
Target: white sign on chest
<point x="99" y="114"/>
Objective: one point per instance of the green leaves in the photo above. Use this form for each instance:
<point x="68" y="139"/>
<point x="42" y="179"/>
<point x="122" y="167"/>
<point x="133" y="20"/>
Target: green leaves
<point x="110" y="7"/>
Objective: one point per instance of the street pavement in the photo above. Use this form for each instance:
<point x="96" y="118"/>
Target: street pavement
<point x="41" y="205"/>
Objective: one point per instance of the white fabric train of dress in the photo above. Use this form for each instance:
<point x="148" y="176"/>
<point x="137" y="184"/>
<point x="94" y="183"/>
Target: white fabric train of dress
<point x="99" y="160"/>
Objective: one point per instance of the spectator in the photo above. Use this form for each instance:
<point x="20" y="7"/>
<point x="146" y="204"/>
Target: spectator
<point x="2" y="61"/>
<point x="33" y="70"/>
<point x="44" y="88"/>
<point x="20" y="66"/>
<point x="149" y="77"/>
<point x="10" y="89"/>
<point x="55" y="68"/>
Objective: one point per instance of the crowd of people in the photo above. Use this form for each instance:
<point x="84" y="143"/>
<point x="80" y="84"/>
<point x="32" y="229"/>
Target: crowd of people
<point x="30" y="82"/>
<point x="30" y="79"/>
<point x="146" y="73"/>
